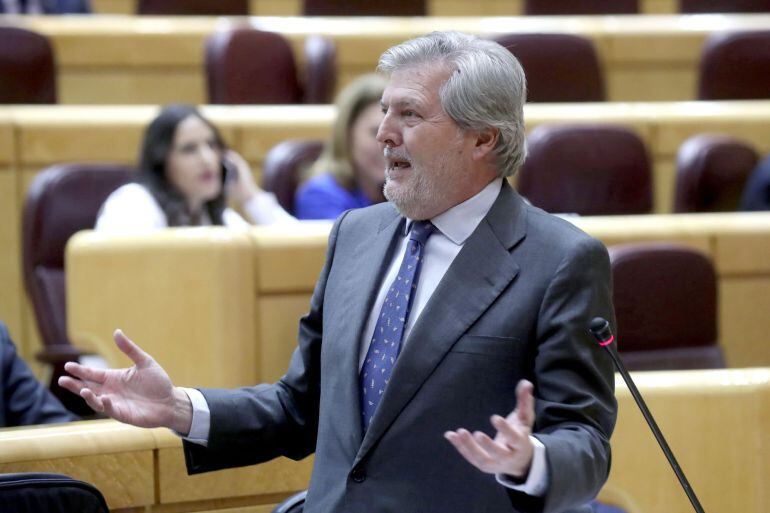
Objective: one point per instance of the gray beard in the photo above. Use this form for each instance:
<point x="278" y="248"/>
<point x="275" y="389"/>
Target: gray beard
<point x="422" y="195"/>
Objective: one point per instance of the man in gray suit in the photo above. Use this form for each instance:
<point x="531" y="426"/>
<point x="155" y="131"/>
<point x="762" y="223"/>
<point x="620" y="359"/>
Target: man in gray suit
<point x="434" y="313"/>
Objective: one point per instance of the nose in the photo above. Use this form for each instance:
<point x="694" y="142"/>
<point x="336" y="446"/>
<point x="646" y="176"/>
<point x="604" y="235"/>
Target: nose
<point x="210" y="155"/>
<point x="388" y="134"/>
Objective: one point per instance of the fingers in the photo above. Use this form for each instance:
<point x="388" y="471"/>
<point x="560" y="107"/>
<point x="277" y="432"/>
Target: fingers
<point x="468" y="447"/>
<point x="133" y="351"/>
<point x="234" y="157"/>
<point x="92" y="400"/>
<point x="72" y="385"/>
<point x="496" y="451"/>
<point x="86" y="373"/>
<point x="525" y="403"/>
<point x="241" y="166"/>
<point x="481" y="451"/>
<point x="512" y="434"/>
<point x="244" y="186"/>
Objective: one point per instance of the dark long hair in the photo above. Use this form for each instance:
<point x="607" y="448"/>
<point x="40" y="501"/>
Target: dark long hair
<point x="156" y="146"/>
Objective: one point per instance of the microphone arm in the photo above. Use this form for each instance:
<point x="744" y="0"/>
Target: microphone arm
<point x="600" y="329"/>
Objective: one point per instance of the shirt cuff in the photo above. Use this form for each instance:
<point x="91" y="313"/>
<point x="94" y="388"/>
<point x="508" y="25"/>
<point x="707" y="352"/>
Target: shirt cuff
<point x="199" y="429"/>
<point x="537" y="479"/>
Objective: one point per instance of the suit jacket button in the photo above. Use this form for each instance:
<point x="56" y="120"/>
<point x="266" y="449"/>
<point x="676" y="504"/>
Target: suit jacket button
<point x="358" y="475"/>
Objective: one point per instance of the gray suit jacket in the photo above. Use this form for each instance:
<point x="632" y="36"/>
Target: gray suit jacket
<point x="515" y="303"/>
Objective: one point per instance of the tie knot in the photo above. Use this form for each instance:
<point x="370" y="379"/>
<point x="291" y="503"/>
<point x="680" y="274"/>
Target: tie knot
<point x="420" y="231"/>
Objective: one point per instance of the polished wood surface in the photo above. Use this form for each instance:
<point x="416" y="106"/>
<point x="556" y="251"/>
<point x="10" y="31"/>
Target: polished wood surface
<point x="144" y="469"/>
<point x="115" y="458"/>
<point x="714" y="421"/>
<point x="131" y="59"/>
<point x="716" y="424"/>
<point x="34" y="137"/>
<point x="195" y="304"/>
<point x="188" y="275"/>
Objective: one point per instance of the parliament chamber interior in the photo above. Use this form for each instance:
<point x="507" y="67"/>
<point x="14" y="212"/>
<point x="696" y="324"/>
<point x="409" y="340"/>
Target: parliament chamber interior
<point x="645" y="120"/>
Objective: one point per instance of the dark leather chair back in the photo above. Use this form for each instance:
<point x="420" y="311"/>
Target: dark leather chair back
<point x="706" y="6"/>
<point x="284" y="165"/>
<point x="735" y="66"/>
<point x="27" y="67"/>
<point x="665" y="298"/>
<point x="559" y="67"/>
<point x="62" y="200"/>
<point x="587" y="170"/>
<point x="35" y="492"/>
<point x="548" y="7"/>
<point x="194" y="7"/>
<point x="365" y="8"/>
<point x="711" y="172"/>
<point x="249" y="66"/>
<point x="321" y="71"/>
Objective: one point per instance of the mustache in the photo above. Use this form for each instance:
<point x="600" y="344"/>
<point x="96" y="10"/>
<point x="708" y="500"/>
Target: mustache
<point x="392" y="155"/>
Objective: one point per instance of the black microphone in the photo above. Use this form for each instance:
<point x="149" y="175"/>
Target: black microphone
<point x="600" y="328"/>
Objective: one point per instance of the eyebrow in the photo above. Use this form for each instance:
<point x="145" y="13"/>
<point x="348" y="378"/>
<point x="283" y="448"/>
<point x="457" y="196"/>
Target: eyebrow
<point x="401" y="103"/>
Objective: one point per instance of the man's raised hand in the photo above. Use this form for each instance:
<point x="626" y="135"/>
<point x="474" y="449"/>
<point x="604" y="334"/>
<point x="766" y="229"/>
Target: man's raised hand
<point x="141" y="395"/>
<point x="511" y="451"/>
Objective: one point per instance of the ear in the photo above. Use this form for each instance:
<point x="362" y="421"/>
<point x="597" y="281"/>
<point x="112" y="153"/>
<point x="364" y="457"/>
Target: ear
<point x="485" y="143"/>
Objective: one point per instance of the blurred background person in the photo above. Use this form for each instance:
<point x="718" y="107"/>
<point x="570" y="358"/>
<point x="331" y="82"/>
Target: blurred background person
<point x="756" y="195"/>
<point x="186" y="173"/>
<point x="45" y="7"/>
<point x="350" y="173"/>
<point x="23" y="399"/>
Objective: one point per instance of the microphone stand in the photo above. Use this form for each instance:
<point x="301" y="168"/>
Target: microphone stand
<point x="600" y="328"/>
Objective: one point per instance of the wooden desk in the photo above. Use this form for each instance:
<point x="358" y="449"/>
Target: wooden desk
<point x="435" y="7"/>
<point x="49" y="135"/>
<point x="32" y="138"/>
<point x="128" y="59"/>
<point x="143" y="470"/>
<point x="691" y="408"/>
<point x="245" y="298"/>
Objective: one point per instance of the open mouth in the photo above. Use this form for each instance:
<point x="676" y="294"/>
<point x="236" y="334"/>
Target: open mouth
<point x="396" y="160"/>
<point x="400" y="164"/>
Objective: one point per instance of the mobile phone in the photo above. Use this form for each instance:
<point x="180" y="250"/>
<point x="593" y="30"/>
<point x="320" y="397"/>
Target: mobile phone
<point x="229" y="172"/>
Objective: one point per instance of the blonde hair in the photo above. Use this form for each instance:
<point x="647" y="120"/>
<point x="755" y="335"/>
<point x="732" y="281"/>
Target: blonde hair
<point x="336" y="157"/>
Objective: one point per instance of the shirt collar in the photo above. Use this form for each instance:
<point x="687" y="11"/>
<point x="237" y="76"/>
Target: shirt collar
<point x="458" y="222"/>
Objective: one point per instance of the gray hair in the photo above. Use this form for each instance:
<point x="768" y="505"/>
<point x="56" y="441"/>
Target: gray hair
<point x="486" y="89"/>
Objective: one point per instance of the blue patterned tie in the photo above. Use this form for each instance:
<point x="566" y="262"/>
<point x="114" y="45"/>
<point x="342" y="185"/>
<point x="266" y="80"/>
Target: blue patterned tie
<point x="386" y="341"/>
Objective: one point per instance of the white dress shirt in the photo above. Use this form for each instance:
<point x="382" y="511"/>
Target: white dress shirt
<point x="453" y="228"/>
<point x="132" y="209"/>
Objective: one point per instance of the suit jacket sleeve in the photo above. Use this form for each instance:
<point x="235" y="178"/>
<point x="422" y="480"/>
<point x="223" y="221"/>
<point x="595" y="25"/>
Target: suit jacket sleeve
<point x="575" y="404"/>
<point x="279" y="419"/>
<point x="25" y="401"/>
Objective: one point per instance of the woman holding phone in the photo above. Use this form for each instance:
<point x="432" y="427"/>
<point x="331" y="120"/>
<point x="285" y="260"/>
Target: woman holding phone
<point x="186" y="173"/>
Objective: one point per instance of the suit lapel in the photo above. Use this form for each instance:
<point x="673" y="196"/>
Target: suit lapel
<point x="480" y="272"/>
<point x="358" y="292"/>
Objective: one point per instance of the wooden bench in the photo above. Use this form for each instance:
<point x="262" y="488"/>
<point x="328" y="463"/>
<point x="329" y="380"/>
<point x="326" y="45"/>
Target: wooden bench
<point x="143" y="469"/>
<point x="715" y="421"/>
<point x="233" y="299"/>
<point x="131" y="59"/>
<point x="32" y="138"/>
